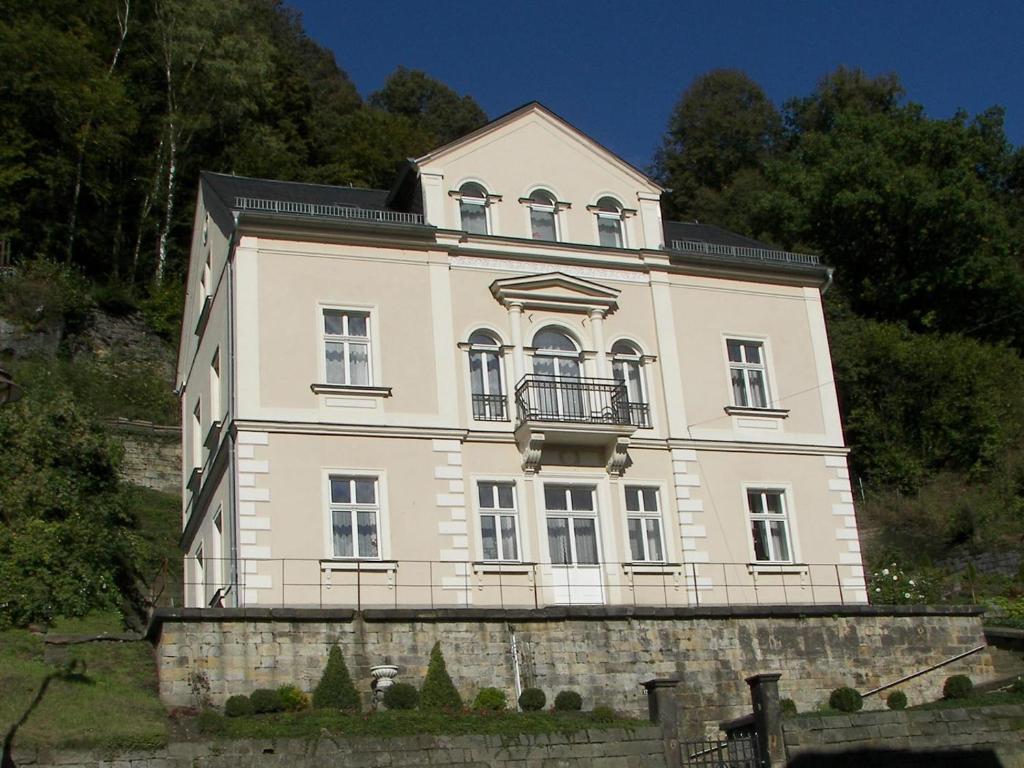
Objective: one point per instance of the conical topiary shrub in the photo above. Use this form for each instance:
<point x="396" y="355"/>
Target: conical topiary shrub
<point x="439" y="693"/>
<point x="335" y="689"/>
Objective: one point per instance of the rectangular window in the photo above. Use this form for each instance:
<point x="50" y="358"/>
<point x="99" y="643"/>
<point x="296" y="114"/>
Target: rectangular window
<point x="498" y="521"/>
<point x="355" y="516"/>
<point x="347" y="347"/>
<point x="572" y="524"/>
<point x="216" y="408"/>
<point x="769" y="525"/>
<point x="199" y="585"/>
<point x="197" y="435"/>
<point x="748" y="373"/>
<point x="218" y="548"/>
<point x="643" y="520"/>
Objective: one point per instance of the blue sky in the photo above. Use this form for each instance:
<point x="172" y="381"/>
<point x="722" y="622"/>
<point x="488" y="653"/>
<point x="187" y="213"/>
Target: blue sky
<point x="616" y="69"/>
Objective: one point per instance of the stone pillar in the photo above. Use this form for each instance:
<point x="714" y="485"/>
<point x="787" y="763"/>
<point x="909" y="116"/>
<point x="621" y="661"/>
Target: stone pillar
<point x="764" y="695"/>
<point x="515" y="319"/>
<point x="597" y="333"/>
<point x="663" y="709"/>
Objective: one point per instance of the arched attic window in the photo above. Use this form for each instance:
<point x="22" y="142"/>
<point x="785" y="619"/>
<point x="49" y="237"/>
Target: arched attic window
<point x="543" y="215"/>
<point x="473" y="212"/>
<point x="627" y="368"/>
<point x="609" y="223"/>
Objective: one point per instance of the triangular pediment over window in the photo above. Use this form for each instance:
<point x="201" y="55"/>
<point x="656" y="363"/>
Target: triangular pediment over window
<point x="555" y="291"/>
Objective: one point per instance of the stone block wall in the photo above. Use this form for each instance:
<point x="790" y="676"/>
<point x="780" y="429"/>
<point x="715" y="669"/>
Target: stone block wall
<point x="604" y="653"/>
<point x="152" y="454"/>
<point x="615" y="748"/>
<point x="928" y="730"/>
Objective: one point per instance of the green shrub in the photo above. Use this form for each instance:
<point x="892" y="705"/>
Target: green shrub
<point x="163" y="307"/>
<point x="439" y="693"/>
<point x="493" y="699"/>
<point x="293" y="698"/>
<point x="532" y="700"/>
<point x="957" y="687"/>
<point x="1017" y="686"/>
<point x="845" y="699"/>
<point x="45" y="293"/>
<point x="788" y="707"/>
<point x="211" y="722"/>
<point x="335" y="689"/>
<point x="602" y="714"/>
<point x="238" y="706"/>
<point x="896" y="700"/>
<point x="401" y="696"/>
<point x="266" y="700"/>
<point x="568" y="701"/>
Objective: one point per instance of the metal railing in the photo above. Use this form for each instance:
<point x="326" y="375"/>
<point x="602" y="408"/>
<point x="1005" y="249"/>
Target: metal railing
<point x="332" y="211"/>
<point x="489" y="408"/>
<point x="572" y="399"/>
<point x="359" y="584"/>
<point x="640" y="415"/>
<point x="745" y="253"/>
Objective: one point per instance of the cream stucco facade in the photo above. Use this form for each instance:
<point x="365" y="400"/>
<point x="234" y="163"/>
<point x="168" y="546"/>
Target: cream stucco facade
<point x="507" y="382"/>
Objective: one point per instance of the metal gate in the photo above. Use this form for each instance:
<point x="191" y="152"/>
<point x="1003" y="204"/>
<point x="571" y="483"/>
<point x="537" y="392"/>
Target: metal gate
<point x="738" y="751"/>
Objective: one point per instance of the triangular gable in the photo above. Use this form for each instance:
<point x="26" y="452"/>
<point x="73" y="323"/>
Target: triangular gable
<point x="555" y="290"/>
<point x="535" y="108"/>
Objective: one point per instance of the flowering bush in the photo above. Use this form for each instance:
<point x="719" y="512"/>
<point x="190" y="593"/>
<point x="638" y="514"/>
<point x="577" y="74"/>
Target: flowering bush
<point x="891" y="585"/>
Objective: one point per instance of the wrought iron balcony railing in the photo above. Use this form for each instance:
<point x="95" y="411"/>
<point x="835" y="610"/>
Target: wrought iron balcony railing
<point x="570" y="399"/>
<point x="489" y="408"/>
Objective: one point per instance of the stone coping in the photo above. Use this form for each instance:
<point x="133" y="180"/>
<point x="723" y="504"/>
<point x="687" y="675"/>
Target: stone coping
<point x="553" y="613"/>
<point x="1004" y="633"/>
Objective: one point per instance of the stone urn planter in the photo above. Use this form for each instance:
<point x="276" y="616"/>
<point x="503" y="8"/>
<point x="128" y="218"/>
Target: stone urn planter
<point x="383" y="678"/>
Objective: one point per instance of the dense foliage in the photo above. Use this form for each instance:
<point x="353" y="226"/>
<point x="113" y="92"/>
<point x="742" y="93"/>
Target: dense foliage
<point x="845" y="699"/>
<point x="401" y="696"/>
<point x="896" y="700"/>
<point x="568" y="701"/>
<point x="491" y="699"/>
<point x="957" y="687"/>
<point x="532" y="700"/>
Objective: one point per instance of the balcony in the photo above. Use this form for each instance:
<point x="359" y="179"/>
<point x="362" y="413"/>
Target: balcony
<point x="489" y="408"/>
<point x="581" y="421"/>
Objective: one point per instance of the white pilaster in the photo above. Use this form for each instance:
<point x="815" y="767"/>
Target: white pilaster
<point x="597" y="334"/>
<point x="515" y="319"/>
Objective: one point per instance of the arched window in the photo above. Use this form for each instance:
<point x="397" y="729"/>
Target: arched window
<point x="556" y="368"/>
<point x="473" y="208"/>
<point x="543" y="215"/>
<point x="609" y="222"/>
<point x="627" y="368"/>
<point x="485" y="379"/>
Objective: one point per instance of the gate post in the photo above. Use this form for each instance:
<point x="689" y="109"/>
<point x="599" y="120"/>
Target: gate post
<point x="663" y="709"/>
<point x="764" y="695"/>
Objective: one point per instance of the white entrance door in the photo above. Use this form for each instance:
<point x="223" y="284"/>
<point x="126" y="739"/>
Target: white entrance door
<point x="573" y="544"/>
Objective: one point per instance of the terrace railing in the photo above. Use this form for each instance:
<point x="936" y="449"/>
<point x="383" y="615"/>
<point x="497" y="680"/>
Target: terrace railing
<point x="744" y="253"/>
<point x="330" y="211"/>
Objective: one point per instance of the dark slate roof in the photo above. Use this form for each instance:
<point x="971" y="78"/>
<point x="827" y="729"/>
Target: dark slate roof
<point x="708" y="233"/>
<point x="228" y="188"/>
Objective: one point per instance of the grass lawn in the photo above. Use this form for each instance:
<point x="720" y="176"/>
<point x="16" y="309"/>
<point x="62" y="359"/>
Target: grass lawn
<point x="975" y="700"/>
<point x="159" y="526"/>
<point x="399" y="723"/>
<point x="113" y="703"/>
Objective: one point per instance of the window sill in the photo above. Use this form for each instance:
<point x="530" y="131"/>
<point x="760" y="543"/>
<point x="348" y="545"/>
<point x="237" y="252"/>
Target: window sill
<point x="652" y="567"/>
<point x="768" y="413"/>
<point x="213" y="435"/>
<point x="350" y="389"/>
<point x="774" y="569"/>
<point x="356" y="564"/>
<point x="204" y="315"/>
<point x="195" y="480"/>
<point x="506" y="566"/>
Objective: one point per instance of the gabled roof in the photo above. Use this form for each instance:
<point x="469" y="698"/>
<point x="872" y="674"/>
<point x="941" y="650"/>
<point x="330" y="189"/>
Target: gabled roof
<point x="536" y="108"/>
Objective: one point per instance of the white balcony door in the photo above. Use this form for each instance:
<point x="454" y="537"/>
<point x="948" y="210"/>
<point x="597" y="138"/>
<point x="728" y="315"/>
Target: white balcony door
<point x="557" y="361"/>
<point x="574" y="545"/>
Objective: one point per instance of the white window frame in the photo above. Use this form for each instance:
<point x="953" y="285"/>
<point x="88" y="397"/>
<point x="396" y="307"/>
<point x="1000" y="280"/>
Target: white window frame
<point x="383" y="525"/>
<point x="637" y="359"/>
<point x="644" y="515"/>
<point x="206" y="278"/>
<point x="745" y="367"/>
<point x="484" y="202"/>
<point x="598" y="490"/>
<point x="497" y="350"/>
<point x="788" y="518"/>
<point x="217" y="544"/>
<point x="619" y="217"/>
<point x="199" y="576"/>
<point x="197" y="434"/>
<point x="372" y="340"/>
<point x="498" y="512"/>
<point x="554" y="209"/>
<point x="216" y="395"/>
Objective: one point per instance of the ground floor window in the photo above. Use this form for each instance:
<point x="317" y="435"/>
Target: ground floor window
<point x="571" y="512"/>
<point x="769" y="525"/>
<point x="355" y="516"/>
<point x="643" y="521"/>
<point x="499" y="521"/>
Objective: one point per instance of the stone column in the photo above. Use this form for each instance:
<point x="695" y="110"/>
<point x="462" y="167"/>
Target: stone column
<point x="597" y="334"/>
<point x="764" y="695"/>
<point x="515" y="319"/>
<point x="663" y="709"/>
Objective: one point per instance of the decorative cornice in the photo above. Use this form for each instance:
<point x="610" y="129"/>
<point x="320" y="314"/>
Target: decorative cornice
<point x="555" y="291"/>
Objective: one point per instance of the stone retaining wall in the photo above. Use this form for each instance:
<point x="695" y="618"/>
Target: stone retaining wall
<point x="968" y="729"/>
<point x="152" y="454"/>
<point x="604" y="653"/>
<point x="615" y="748"/>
